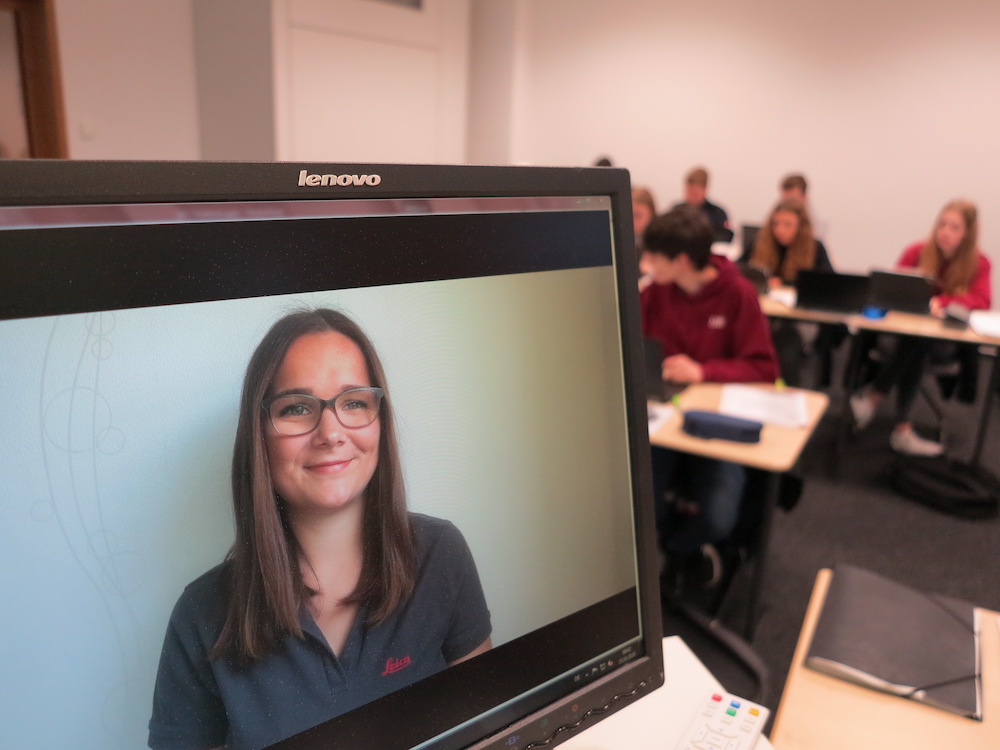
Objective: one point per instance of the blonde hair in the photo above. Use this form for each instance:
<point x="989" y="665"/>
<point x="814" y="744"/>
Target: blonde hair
<point x="964" y="263"/>
<point x="641" y="196"/>
<point x="801" y="253"/>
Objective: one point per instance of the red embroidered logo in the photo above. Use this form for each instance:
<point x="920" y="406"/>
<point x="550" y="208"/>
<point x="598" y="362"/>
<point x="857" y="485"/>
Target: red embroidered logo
<point x="394" y="665"/>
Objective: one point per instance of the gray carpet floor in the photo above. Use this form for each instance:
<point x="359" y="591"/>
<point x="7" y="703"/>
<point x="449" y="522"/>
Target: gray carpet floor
<point x="852" y="515"/>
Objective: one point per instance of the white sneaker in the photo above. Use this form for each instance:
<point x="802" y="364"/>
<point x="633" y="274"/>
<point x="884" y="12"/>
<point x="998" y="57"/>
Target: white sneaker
<point x="909" y="442"/>
<point x="863" y="409"/>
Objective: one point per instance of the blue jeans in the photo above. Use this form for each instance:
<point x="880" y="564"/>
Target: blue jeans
<point x="716" y="487"/>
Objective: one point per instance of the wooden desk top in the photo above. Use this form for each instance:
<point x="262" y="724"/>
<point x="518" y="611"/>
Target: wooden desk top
<point x="818" y="711"/>
<point x="772" y="308"/>
<point x="779" y="447"/>
<point x="919" y="325"/>
<point x="894" y="322"/>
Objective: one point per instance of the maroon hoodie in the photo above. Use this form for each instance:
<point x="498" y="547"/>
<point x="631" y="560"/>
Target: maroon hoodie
<point x="721" y="327"/>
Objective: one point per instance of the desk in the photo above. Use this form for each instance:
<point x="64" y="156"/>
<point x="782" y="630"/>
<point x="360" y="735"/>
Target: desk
<point x="818" y="711"/>
<point x="779" y="447"/>
<point x="657" y="721"/>
<point x="906" y="324"/>
<point x="778" y="450"/>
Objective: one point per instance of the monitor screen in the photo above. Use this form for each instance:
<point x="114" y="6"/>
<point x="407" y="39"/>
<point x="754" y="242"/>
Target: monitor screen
<point x="320" y="456"/>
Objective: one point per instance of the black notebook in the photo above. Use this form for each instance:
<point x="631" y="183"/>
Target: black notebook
<point x="881" y="634"/>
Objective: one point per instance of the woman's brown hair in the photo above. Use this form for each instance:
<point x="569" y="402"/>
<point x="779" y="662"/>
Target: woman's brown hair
<point x="801" y="254"/>
<point x="265" y="588"/>
<point x="964" y="264"/>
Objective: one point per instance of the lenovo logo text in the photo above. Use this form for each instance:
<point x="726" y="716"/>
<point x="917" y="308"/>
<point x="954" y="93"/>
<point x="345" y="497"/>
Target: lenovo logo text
<point x="343" y="180"/>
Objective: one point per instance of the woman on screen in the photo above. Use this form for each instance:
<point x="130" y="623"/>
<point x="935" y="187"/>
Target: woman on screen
<point x="332" y="594"/>
<point x="961" y="273"/>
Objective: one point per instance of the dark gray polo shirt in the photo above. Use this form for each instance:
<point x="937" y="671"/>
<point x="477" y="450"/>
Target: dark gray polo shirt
<point x="200" y="704"/>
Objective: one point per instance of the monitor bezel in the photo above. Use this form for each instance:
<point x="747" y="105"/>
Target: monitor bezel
<point x="55" y="182"/>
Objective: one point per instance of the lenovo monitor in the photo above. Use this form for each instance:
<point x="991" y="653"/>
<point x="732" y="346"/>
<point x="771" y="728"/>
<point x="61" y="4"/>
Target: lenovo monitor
<point x="320" y="456"/>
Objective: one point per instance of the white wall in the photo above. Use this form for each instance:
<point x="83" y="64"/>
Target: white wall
<point x="357" y="80"/>
<point x="321" y="80"/>
<point x="890" y="109"/>
<point x="234" y="65"/>
<point x="128" y="78"/>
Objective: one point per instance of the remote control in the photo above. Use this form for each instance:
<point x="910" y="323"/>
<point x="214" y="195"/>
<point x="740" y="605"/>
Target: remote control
<point x="724" y="722"/>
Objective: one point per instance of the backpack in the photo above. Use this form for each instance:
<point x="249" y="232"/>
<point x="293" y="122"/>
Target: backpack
<point x="947" y="485"/>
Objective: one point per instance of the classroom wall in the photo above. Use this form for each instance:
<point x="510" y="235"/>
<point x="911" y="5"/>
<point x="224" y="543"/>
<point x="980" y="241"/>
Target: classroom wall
<point x="128" y="76"/>
<point x="13" y="133"/>
<point x="889" y="108"/>
<point x="234" y="72"/>
<point x="358" y="80"/>
<point x="312" y="80"/>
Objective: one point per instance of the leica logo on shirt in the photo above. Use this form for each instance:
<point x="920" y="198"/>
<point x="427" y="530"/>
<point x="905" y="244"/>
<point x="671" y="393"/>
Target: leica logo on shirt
<point x="394" y="665"/>
<point x="717" y="322"/>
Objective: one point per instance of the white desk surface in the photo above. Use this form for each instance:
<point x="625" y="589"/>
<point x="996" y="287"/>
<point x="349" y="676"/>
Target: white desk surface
<point x="657" y="721"/>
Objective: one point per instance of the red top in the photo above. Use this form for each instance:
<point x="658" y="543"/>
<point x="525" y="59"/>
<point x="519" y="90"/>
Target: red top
<point x="721" y="327"/>
<point x="977" y="298"/>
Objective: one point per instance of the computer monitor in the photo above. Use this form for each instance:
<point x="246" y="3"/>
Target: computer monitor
<point x="502" y="306"/>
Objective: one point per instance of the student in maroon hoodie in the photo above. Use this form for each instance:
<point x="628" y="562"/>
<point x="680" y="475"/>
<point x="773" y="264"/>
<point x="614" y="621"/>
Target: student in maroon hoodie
<point x="706" y="315"/>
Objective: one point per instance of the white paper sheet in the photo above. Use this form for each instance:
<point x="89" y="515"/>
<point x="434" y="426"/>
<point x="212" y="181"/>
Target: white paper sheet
<point x="786" y="408"/>
<point x="658" y="415"/>
<point x="985" y="323"/>
<point x="784" y="295"/>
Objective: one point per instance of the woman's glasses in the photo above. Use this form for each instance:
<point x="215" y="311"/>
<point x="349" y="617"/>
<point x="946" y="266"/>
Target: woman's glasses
<point x="299" y="413"/>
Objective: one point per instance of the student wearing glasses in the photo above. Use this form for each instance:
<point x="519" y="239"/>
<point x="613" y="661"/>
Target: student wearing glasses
<point x="332" y="594"/>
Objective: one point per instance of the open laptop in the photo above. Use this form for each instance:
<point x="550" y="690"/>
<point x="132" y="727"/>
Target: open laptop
<point x="748" y="236"/>
<point x="903" y="292"/>
<point x="756" y="276"/>
<point x="657" y="389"/>
<point x="831" y="292"/>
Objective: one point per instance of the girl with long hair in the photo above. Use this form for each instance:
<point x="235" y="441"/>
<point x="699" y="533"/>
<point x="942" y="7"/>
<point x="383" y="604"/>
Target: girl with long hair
<point x="950" y="256"/>
<point x="785" y="245"/>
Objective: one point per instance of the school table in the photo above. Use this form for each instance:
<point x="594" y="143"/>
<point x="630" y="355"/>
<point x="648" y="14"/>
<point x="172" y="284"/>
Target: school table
<point x="777" y="452"/>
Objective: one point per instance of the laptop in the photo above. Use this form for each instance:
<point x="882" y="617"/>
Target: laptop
<point x="903" y="292"/>
<point x="748" y="235"/>
<point x="657" y="389"/>
<point x="756" y="276"/>
<point x="826" y="291"/>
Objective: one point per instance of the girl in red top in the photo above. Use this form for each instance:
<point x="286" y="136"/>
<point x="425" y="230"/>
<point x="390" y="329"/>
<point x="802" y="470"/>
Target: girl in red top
<point x="961" y="275"/>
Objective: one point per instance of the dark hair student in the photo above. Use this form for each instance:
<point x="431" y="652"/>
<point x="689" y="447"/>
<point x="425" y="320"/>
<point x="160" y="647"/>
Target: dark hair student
<point x="681" y="231"/>
<point x="332" y="594"/>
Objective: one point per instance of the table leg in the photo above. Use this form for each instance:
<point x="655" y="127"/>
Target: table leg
<point x="763" y="548"/>
<point x="991" y="391"/>
<point x="852" y="374"/>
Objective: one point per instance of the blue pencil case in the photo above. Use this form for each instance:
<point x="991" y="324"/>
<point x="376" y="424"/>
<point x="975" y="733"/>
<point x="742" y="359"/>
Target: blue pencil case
<point x="711" y="424"/>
